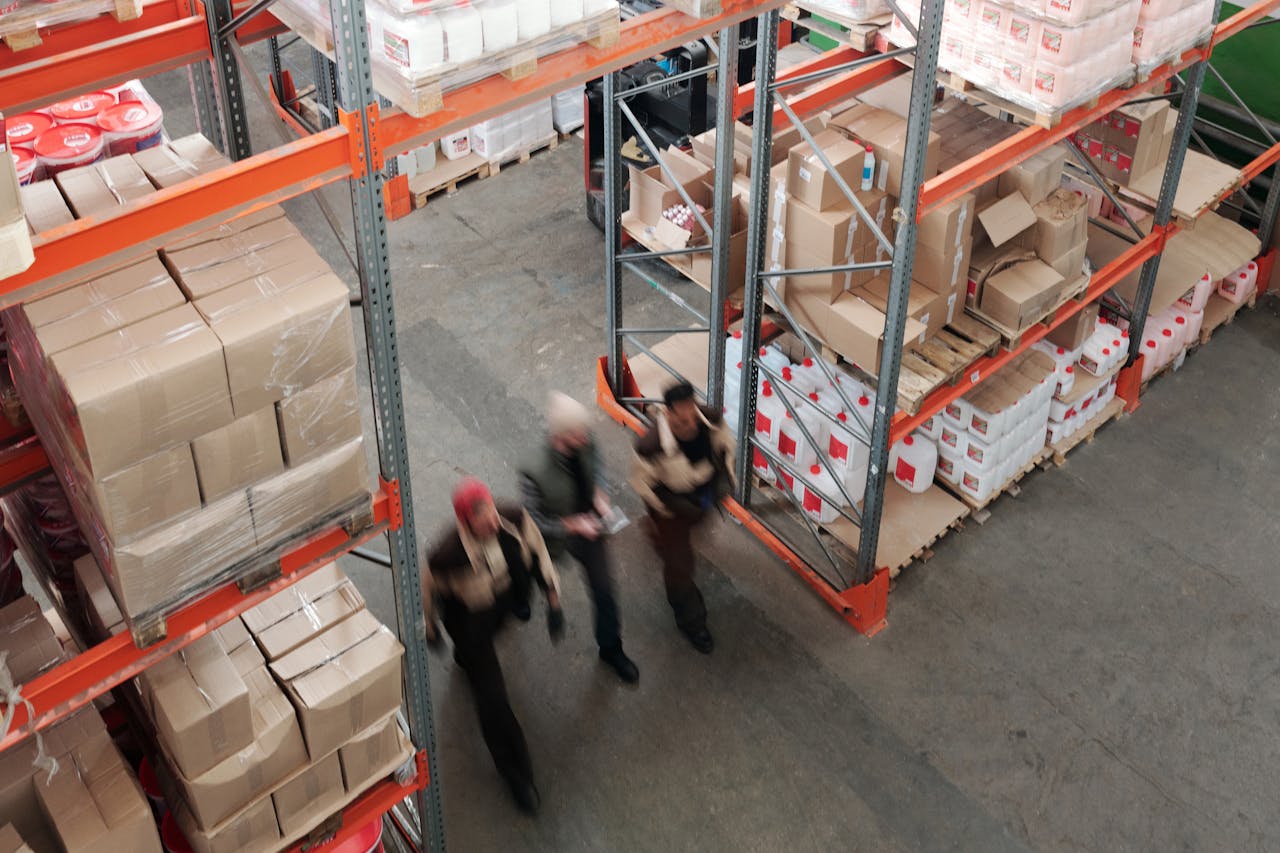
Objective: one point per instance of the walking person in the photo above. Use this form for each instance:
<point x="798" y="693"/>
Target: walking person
<point x="563" y="489"/>
<point x="480" y="571"/>
<point x="683" y="466"/>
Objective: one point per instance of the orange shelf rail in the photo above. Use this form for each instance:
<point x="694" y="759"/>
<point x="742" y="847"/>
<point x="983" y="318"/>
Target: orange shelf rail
<point x="20" y="461"/>
<point x="77" y="682"/>
<point x="371" y="806"/>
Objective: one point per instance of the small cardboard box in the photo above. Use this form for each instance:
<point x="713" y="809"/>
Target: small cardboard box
<point x="1019" y="296"/>
<point x="1006" y="219"/>
<point x="200" y="706"/>
<point x="232" y="635"/>
<point x="855" y="329"/>
<point x="319" y="418"/>
<point x="932" y="310"/>
<point x="887" y="134"/>
<point x="180" y="160"/>
<point x="700" y="264"/>
<point x="1062" y="222"/>
<point x="253" y="830"/>
<point x="92" y="294"/>
<point x="1035" y="177"/>
<point x="942" y="270"/>
<point x="949" y="225"/>
<point x="808" y="300"/>
<point x="169" y="563"/>
<point x="100" y="608"/>
<point x="342" y="681"/>
<point x="45" y="207"/>
<point x="18" y="801"/>
<point x="290" y="261"/>
<point x="831" y="285"/>
<point x="1076" y="330"/>
<point x="837" y="232"/>
<point x="305" y="800"/>
<point x="158" y="489"/>
<point x="243" y="452"/>
<point x="224" y="230"/>
<point x="1070" y="264"/>
<point x="94" y="802"/>
<point x="279" y="340"/>
<point x="87" y="324"/>
<point x="303" y="496"/>
<point x="211" y="253"/>
<point x="102" y="187"/>
<point x="28" y="640"/>
<point x="295" y="615"/>
<point x="652" y="191"/>
<point x="145" y="387"/>
<point x="371" y="754"/>
<point x="808" y="180"/>
<point x="276" y="752"/>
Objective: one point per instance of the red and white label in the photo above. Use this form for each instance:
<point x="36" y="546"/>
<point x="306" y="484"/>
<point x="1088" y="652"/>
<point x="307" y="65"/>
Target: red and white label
<point x="812" y="502"/>
<point x="838" y="450"/>
<point x="763" y="424"/>
<point x="905" y="472"/>
<point x="787" y="446"/>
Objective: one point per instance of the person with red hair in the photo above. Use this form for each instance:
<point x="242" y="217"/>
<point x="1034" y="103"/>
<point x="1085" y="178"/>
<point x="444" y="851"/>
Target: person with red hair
<point x="480" y="571"/>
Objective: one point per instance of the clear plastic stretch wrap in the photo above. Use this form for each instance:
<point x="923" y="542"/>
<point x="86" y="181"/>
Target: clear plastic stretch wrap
<point x="200" y="409"/>
<point x="1046" y="58"/>
<point x="1168" y="27"/>
<point x="421" y="48"/>
<point x="500" y="139"/>
<point x="849" y="10"/>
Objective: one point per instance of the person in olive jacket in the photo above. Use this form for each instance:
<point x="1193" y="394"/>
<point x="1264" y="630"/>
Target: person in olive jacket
<point x="562" y="486"/>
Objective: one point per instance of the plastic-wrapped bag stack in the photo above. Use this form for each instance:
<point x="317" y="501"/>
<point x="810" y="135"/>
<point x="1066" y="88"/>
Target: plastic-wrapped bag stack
<point x="849" y="10"/>
<point x="1168" y="27"/>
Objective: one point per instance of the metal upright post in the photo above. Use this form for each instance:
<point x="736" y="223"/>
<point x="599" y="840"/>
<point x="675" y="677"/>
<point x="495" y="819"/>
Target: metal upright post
<point x="200" y="77"/>
<point x="356" y="95"/>
<point x="277" y="72"/>
<point x="722" y="226"/>
<point x="1164" y="204"/>
<point x="227" y="86"/>
<point x="753" y="303"/>
<point x="904" y="246"/>
<point x="322" y="72"/>
<point x="1267" y="221"/>
<point x="613" y="231"/>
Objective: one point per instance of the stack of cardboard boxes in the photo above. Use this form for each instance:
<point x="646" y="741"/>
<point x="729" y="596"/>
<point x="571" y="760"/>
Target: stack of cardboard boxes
<point x="200" y="407"/>
<point x="1130" y="141"/>
<point x="276" y="720"/>
<point x="70" y="789"/>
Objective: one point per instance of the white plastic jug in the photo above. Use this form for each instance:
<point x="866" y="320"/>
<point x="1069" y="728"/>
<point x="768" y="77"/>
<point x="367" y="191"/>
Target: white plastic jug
<point x="761" y="465"/>
<point x="984" y="454"/>
<point x="463" y="33"/>
<point x="845" y="450"/>
<point x="863" y="411"/>
<point x="1238" y="287"/>
<point x="809" y="377"/>
<point x="1196" y="298"/>
<point x="814" y="421"/>
<point x="499" y="20"/>
<point x="411" y="43"/>
<point x="913" y="461"/>
<point x="565" y="12"/>
<point x="1166" y="344"/>
<point x="987" y="424"/>
<point x="1060" y="411"/>
<point x="958" y="413"/>
<point x="455" y="146"/>
<point x="977" y="483"/>
<point x="1195" y="321"/>
<point x="733" y="349"/>
<point x="1150" y="354"/>
<point x="1098" y="354"/>
<point x="1181" y="328"/>
<point x="793" y="446"/>
<point x="1062" y="357"/>
<point x="1065" y="379"/>
<point x="819" y="496"/>
<point x="774" y="359"/>
<point x="932" y="428"/>
<point x="769" y="414"/>
<point x="534" y="18"/>
<point x="953" y="441"/>
<point x="948" y="469"/>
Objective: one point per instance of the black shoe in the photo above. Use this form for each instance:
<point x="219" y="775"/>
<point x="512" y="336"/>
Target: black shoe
<point x="521" y="611"/>
<point x="526" y="797"/>
<point x="624" y="666"/>
<point x="701" y="640"/>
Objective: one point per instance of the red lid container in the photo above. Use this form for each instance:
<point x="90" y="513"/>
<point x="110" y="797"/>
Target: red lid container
<point x="82" y="109"/>
<point x="23" y="128"/>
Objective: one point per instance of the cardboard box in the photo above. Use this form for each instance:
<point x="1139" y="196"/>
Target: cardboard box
<point x="1006" y="219"/>
<point x="1062" y="222"/>
<point x="172" y="562"/>
<point x="321" y="417"/>
<point x="932" y="310"/>
<point x="44" y="207"/>
<point x="253" y="830"/>
<point x="229" y="229"/>
<point x="156" y="490"/>
<point x="18" y="801"/>
<point x="1076" y="330"/>
<point x="243" y="452"/>
<point x="145" y="387"/>
<point x="12" y="842"/>
<point x="92" y="294"/>
<point x="276" y="752"/>
<point x="94" y="802"/>
<point x="275" y="266"/>
<point x="829" y="285"/>
<point x="28" y="641"/>
<point x="1070" y="264"/>
<point x="700" y="264"/>
<point x="200" y="706"/>
<point x="179" y="160"/>
<point x="855" y="329"/>
<point x="295" y="615"/>
<point x="1019" y="296"/>
<point x="101" y="187"/>
<point x="303" y="802"/>
<point x="808" y="180"/>
<point x="276" y="341"/>
<point x="1035" y="177"/>
<point x="307" y="494"/>
<point x="211" y="253"/>
<point x="366" y="757"/>
<point x="342" y="681"/>
<point x="837" y="232"/>
<point x="232" y="635"/>
<point x="94" y="320"/>
<point x="949" y="225"/>
<point x="887" y="134"/>
<point x="942" y="270"/>
<point x="653" y="192"/>
<point x="101" y="611"/>
<point x="808" y="300"/>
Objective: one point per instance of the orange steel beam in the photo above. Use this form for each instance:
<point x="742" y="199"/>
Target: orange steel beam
<point x="840" y="86"/>
<point x="62" y="38"/>
<point x="204" y="201"/>
<point x="77" y="682"/>
<point x="370" y="806"/>
<point x="1243" y="19"/>
<point x="641" y="37"/>
<point x="21" y="461"/>
<point x="980" y="370"/>
<point x="745" y="99"/>
<point x="1256" y="167"/>
<point x="106" y="53"/>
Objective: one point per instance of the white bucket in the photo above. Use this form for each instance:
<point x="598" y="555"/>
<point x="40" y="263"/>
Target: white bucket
<point x="83" y="109"/>
<point x="67" y="146"/>
<point x="132" y="127"/>
<point x="25" y="163"/>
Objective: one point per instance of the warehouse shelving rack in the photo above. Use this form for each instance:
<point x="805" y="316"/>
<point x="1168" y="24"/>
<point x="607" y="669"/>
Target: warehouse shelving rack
<point x="173" y="34"/>
<point x="861" y="596"/>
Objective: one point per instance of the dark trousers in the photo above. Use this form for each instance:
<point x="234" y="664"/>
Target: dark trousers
<point x="472" y="635"/>
<point x="594" y="557"/>
<point x="673" y="539"/>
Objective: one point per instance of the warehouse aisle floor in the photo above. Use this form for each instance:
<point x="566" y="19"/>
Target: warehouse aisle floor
<point x="1093" y="669"/>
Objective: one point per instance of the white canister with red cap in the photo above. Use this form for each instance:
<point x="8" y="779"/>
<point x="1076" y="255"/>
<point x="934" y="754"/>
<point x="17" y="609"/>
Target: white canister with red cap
<point x="912" y="462"/>
<point x="132" y="127"/>
<point x="66" y="146"/>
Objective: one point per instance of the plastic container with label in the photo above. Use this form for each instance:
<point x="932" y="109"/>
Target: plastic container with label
<point x="984" y="454"/>
<point x="1240" y="285"/>
<point x="987" y="423"/>
<point x="1195" y="322"/>
<point x="931" y="428"/>
<point x="25" y="163"/>
<point x="809" y="377"/>
<point x="1198" y="296"/>
<point x="1098" y="354"/>
<point x="952" y="440"/>
<point x="455" y="146"/>
<point x="66" y="146"/>
<point x="817" y="424"/>
<point x="977" y="483"/>
<point x="846" y="451"/>
<point x="82" y="109"/>
<point x="534" y="17"/>
<point x="498" y="19"/>
<point x="761" y="465"/>
<point x="132" y="127"/>
<point x="1065" y="380"/>
<point x="913" y="461"/>
<point x="948" y="469"/>
<point x="733" y="349"/>
<point x="774" y="359"/>
<point x="769" y="414"/>
<point x="24" y="128"/>
<point x="958" y="413"/>
<point x="819" y="496"/>
<point x="793" y="446"/>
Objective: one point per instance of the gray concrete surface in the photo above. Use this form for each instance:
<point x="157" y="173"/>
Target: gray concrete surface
<point x="1093" y="669"/>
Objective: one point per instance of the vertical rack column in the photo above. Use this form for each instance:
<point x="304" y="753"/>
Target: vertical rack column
<point x="904" y="245"/>
<point x="722" y="199"/>
<point x="613" y="232"/>
<point x="227" y="88"/>
<point x="356" y="95"/>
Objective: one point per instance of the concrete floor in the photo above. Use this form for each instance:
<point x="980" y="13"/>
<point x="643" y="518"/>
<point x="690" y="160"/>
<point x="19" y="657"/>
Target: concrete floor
<point x="1093" y="669"/>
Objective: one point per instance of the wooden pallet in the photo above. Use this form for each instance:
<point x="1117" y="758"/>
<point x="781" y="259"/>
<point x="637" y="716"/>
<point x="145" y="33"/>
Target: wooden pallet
<point x="1219" y="312"/>
<point x="978" y="509"/>
<point x="20" y="29"/>
<point x="446" y="177"/>
<point x="1086" y="434"/>
<point x="943" y="360"/>
<point x="523" y="156"/>
<point x="859" y="35"/>
<point x="1047" y="119"/>
<point x="1013" y="339"/>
